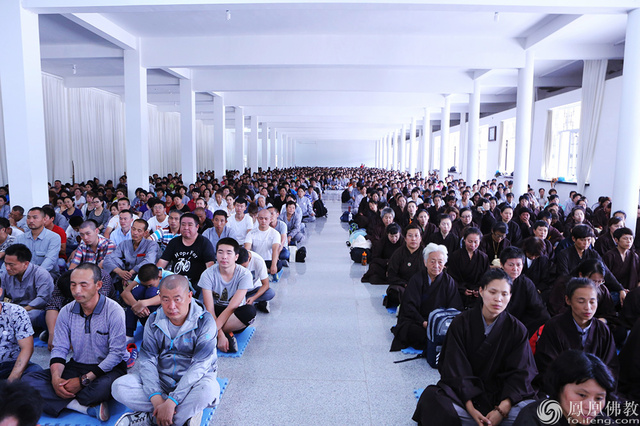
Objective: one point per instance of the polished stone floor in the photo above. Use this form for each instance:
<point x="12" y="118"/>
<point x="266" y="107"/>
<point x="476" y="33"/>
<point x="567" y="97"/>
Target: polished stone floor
<point x="321" y="357"/>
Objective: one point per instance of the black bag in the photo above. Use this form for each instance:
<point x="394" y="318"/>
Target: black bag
<point x="319" y="208"/>
<point x="346" y="196"/>
<point x="345" y="217"/>
<point x="301" y="254"/>
<point x="356" y="254"/>
<point x="438" y="324"/>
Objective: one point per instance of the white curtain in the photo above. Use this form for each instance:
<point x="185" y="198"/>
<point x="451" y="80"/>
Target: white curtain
<point x="204" y="146"/>
<point x="56" y="128"/>
<point x="164" y="142"/>
<point x="3" y="153"/>
<point x="547" y="170"/>
<point x="85" y="136"/>
<point x="592" y="95"/>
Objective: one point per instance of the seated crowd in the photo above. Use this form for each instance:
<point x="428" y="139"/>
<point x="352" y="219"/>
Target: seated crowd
<point x="533" y="277"/>
<point x="193" y="265"/>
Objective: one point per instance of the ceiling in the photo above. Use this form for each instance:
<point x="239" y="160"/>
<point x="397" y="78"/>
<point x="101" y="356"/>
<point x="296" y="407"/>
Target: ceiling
<point x="327" y="70"/>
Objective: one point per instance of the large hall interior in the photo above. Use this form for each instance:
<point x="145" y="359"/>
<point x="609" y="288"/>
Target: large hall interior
<point x="531" y="95"/>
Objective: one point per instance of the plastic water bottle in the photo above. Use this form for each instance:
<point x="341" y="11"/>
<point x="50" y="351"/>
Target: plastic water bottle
<point x="350" y="214"/>
<point x="364" y="258"/>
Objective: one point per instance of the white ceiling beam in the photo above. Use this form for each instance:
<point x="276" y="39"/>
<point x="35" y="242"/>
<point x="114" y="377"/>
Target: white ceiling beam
<point x="114" y="81"/>
<point x="78" y="51"/>
<point x="181" y="73"/>
<point x="336" y="50"/>
<point x="104" y="28"/>
<point x="532" y="6"/>
<point x="549" y="29"/>
<point x="578" y="51"/>
<point x="384" y="79"/>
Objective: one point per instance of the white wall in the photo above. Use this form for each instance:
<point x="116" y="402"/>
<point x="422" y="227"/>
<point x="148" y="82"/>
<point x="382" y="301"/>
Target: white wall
<point x="335" y="153"/>
<point x="601" y="180"/>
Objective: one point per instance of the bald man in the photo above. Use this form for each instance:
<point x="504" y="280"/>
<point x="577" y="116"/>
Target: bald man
<point x="177" y="377"/>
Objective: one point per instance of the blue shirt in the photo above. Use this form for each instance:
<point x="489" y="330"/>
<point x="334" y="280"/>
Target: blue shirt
<point x="44" y="249"/>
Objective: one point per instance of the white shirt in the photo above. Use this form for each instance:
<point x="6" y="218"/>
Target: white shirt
<point x="239" y="229"/>
<point x="258" y="270"/>
<point x="262" y="241"/>
<point x="154" y="224"/>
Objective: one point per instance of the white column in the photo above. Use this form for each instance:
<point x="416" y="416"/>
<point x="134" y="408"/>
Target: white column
<point x="394" y="150"/>
<point x="432" y="152"/>
<point x="219" y="146"/>
<point x="389" y="152"/>
<point x="626" y="180"/>
<point x="239" y="151"/>
<point x="402" y="151"/>
<point x="22" y="105"/>
<point x="524" y="109"/>
<point x="412" y="144"/>
<point x="293" y="152"/>
<point x="444" y="137"/>
<point x="272" y="150"/>
<point x="188" y="132"/>
<point x="474" y="134"/>
<point x="464" y="153"/>
<point x="253" y="144"/>
<point x="424" y="142"/>
<point x="136" y="122"/>
<point x="264" y="162"/>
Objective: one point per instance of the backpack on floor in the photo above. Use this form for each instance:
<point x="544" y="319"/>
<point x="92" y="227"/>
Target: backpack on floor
<point x="437" y="326"/>
<point x="301" y="254"/>
<point x="356" y="254"/>
<point x="319" y="208"/>
<point x="346" y="196"/>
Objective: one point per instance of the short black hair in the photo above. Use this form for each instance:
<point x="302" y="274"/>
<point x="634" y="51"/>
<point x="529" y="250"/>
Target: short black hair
<point x="576" y="283"/>
<point x="142" y="221"/>
<point x="511" y="253"/>
<point x="240" y="200"/>
<point x="220" y="213"/>
<point x="393" y="228"/>
<point x="228" y="241"/>
<point x="4" y="223"/>
<point x="20" y="251"/>
<point x="19" y="400"/>
<point x="148" y="272"/>
<point x="577" y="367"/>
<point x="97" y="272"/>
<point x="192" y="216"/>
<point x="471" y="231"/>
<point x="618" y="233"/>
<point x="494" y="274"/>
<point x="581" y="231"/>
<point x="75" y="221"/>
<point x="243" y="256"/>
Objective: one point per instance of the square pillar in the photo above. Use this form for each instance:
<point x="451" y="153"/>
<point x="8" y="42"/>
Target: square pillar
<point x="136" y="122"/>
<point x="22" y="105"/>
<point x="188" y="132"/>
<point x="239" y="151"/>
<point x="219" y="148"/>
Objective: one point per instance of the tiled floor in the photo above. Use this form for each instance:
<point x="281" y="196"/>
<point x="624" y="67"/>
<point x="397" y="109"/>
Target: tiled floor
<point x="321" y="357"/>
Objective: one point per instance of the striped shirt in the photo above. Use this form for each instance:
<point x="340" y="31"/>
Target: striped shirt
<point x="85" y="253"/>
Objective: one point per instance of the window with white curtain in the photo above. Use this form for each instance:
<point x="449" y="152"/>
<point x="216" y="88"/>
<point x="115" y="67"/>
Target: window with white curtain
<point x="454" y="149"/>
<point x="565" y="129"/>
<point x="482" y="152"/>
<point x="508" y="146"/>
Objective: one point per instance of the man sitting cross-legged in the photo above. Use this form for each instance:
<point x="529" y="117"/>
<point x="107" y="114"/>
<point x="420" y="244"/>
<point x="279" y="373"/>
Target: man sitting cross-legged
<point x="224" y="287"/>
<point x="93" y="325"/>
<point x="177" y="376"/>
<point x="261" y="293"/>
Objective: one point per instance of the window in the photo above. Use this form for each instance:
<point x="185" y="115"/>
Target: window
<point x="563" y="153"/>
<point x="508" y="146"/>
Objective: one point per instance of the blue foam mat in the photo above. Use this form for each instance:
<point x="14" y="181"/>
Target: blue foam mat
<point x="243" y="340"/>
<point x="417" y="393"/>
<point x="392" y="311"/>
<point x="411" y="351"/>
<point x="72" y="418"/>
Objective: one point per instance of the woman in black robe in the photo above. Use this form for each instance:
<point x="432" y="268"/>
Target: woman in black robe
<point x="526" y="303"/>
<point x="467" y="266"/>
<point x="381" y="252"/>
<point x="425" y="225"/>
<point x="561" y="333"/>
<point x="430" y="289"/>
<point x="486" y="364"/>
<point x="537" y="266"/>
<point x="493" y="243"/>
<point x="579" y="385"/>
<point x="630" y="365"/>
<point x="623" y="261"/>
<point x="605" y="241"/>
<point x="444" y="236"/>
<point x="403" y="264"/>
